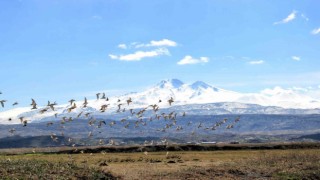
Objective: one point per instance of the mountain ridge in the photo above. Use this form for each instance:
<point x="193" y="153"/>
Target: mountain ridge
<point x="192" y="94"/>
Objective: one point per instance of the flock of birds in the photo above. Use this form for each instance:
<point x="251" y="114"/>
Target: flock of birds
<point x="135" y="117"/>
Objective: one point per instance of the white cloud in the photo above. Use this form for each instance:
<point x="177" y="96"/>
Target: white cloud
<point x="289" y="18"/>
<point x="161" y="43"/>
<point x="315" y="31"/>
<point x="256" y="62"/>
<point x="122" y="46"/>
<point x="112" y="56"/>
<point x="275" y="90"/>
<point x="139" y="55"/>
<point x="154" y="48"/>
<point x="190" y="60"/>
<point x="296" y="58"/>
<point x="300" y="89"/>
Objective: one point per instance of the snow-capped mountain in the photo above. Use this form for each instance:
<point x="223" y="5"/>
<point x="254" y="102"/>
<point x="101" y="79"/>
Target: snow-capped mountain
<point x="183" y="95"/>
<point x="196" y="93"/>
<point x="201" y="93"/>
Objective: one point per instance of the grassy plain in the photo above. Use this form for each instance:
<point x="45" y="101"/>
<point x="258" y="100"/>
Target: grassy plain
<point x="227" y="164"/>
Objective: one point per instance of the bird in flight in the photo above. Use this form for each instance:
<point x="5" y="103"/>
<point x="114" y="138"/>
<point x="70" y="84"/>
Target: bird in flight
<point x="79" y="114"/>
<point x="103" y="96"/>
<point x="72" y="107"/>
<point x="33" y="104"/>
<point x="100" y="123"/>
<point x="104" y="107"/>
<point x="129" y="101"/>
<point x="98" y="96"/>
<point x="24" y="122"/>
<point x="85" y="102"/>
<point x="71" y="101"/>
<point x="2" y="102"/>
<point x="170" y="101"/>
<point x="119" y="107"/>
<point x="43" y="110"/>
<point x="51" y="105"/>
<point x="12" y="131"/>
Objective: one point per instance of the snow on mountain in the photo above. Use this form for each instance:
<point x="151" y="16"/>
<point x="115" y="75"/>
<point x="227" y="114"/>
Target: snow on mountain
<point x="196" y="93"/>
<point x="286" y="98"/>
<point x="182" y="93"/>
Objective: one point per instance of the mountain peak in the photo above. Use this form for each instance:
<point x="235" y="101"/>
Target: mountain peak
<point x="175" y="83"/>
<point x="200" y="84"/>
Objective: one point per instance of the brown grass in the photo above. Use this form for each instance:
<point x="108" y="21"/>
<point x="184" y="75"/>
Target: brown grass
<point x="241" y="164"/>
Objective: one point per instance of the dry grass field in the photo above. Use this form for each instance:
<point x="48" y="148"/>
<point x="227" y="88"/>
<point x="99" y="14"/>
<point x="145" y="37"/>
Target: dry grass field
<point x="239" y="164"/>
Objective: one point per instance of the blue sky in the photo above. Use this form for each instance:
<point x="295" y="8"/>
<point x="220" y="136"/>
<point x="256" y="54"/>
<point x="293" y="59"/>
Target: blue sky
<point x="62" y="49"/>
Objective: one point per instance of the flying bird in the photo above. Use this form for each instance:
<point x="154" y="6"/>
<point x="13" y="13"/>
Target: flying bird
<point x="72" y="107"/>
<point x="123" y="120"/>
<point x="229" y="126"/>
<point x="79" y="114"/>
<point x="54" y="137"/>
<point x="12" y="131"/>
<point x="33" y="104"/>
<point x="101" y="142"/>
<point x="98" y="96"/>
<point x="170" y="101"/>
<point x="112" y="123"/>
<point x="71" y="101"/>
<point x="119" y="107"/>
<point x="51" y="105"/>
<point x="85" y="102"/>
<point x="2" y="102"/>
<point x="100" y="123"/>
<point x="90" y="134"/>
<point x="237" y="119"/>
<point x="87" y="114"/>
<point x="103" y="96"/>
<point x="43" y="110"/>
<point x="104" y="107"/>
<point x="24" y="122"/>
<point x="129" y="101"/>
<point x="21" y="119"/>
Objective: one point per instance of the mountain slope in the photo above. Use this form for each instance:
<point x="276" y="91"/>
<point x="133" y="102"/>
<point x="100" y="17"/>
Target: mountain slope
<point x="270" y="101"/>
